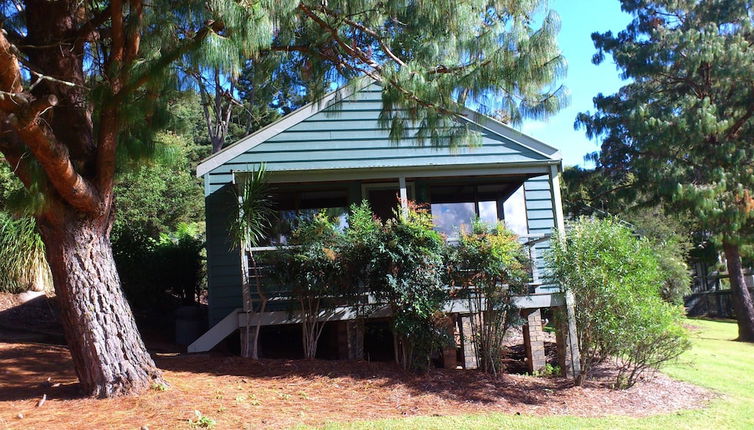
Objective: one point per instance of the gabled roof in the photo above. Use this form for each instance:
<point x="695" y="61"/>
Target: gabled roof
<point x="248" y="143"/>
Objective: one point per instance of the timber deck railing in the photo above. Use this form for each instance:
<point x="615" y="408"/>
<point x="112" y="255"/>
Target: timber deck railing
<point x="278" y="296"/>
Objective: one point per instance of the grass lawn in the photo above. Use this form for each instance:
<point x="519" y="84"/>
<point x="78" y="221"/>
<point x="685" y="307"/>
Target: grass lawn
<point x="715" y="361"/>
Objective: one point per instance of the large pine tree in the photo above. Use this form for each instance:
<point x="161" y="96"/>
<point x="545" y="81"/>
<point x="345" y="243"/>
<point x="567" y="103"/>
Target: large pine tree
<point x="684" y="126"/>
<point x="79" y="79"/>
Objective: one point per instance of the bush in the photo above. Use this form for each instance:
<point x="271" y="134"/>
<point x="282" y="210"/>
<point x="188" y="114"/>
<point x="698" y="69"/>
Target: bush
<point x="405" y="271"/>
<point x="614" y="278"/>
<point x="671" y="243"/>
<point x="489" y="266"/>
<point x="312" y="267"/>
<point x="361" y="234"/>
<point x="158" y="272"/>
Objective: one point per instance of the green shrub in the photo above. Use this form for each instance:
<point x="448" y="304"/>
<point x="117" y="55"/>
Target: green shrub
<point x="361" y="234"/>
<point x="159" y="272"/>
<point x="405" y="271"/>
<point x="311" y="266"/>
<point x="489" y="267"/>
<point x="671" y="243"/>
<point x="615" y="280"/>
<point x="201" y="421"/>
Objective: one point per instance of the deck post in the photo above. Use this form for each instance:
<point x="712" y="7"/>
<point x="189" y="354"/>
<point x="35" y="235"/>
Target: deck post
<point x="248" y="339"/>
<point x="568" y="337"/>
<point x="568" y="347"/>
<point x="449" y="352"/>
<point x="351" y="340"/>
<point x="468" y="348"/>
<point x="534" y="341"/>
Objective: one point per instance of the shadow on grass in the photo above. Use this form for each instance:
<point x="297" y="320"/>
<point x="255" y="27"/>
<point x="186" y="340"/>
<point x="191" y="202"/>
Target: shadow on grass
<point x="720" y="320"/>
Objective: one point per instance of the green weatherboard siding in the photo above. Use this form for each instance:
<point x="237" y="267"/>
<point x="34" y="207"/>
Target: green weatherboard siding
<point x="347" y="135"/>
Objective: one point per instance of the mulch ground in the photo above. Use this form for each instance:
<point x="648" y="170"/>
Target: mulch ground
<point x="241" y="393"/>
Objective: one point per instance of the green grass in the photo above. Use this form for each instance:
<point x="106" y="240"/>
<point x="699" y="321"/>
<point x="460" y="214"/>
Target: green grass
<point x="715" y="361"/>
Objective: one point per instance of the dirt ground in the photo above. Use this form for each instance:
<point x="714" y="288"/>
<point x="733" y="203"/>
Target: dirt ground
<point x="240" y="393"/>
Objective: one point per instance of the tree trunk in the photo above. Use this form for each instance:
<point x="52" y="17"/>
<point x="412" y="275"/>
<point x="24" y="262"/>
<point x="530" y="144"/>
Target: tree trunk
<point x="742" y="303"/>
<point x="108" y="354"/>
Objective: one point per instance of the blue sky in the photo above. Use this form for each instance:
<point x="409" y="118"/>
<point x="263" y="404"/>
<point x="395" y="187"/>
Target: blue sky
<point x="579" y="19"/>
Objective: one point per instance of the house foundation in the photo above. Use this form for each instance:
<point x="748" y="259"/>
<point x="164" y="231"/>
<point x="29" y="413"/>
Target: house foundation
<point x="534" y="340"/>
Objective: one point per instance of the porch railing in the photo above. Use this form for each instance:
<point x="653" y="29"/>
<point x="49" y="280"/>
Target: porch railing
<point x="279" y="297"/>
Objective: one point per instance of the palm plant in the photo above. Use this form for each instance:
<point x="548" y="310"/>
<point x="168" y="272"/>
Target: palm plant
<point x="248" y="228"/>
<point x="23" y="265"/>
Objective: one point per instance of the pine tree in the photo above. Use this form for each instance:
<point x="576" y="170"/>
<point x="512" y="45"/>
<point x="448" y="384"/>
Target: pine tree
<point x="81" y="79"/>
<point x="685" y="124"/>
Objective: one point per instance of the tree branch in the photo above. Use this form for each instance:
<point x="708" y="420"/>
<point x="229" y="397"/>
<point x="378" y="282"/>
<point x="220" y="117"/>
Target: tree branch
<point x="368" y="31"/>
<point x="354" y="52"/>
<point x="23" y="113"/>
<point x="54" y="157"/>
<point x="117" y="36"/>
<point x="734" y="130"/>
<point x="89" y="28"/>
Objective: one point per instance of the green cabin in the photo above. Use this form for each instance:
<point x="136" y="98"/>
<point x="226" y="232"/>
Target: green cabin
<point x="333" y="152"/>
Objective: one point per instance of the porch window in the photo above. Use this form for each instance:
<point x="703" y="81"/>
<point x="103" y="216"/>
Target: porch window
<point x="294" y="206"/>
<point x="454" y="208"/>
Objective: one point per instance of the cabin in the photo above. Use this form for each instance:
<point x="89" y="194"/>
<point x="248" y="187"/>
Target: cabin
<point x="334" y="152"/>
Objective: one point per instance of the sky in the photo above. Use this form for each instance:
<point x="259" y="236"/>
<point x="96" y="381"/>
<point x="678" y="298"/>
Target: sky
<point x="579" y="19"/>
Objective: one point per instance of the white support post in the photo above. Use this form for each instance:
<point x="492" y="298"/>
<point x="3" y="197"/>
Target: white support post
<point x="557" y="202"/>
<point x="403" y="194"/>
<point x="570" y="336"/>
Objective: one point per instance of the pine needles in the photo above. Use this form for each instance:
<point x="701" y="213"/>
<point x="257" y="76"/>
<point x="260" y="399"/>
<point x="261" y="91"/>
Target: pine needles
<point x="23" y="265"/>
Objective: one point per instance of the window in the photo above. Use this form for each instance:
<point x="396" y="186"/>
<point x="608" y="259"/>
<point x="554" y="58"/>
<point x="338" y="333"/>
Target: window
<point x="454" y="208"/>
<point x="514" y="211"/>
<point x="295" y="205"/>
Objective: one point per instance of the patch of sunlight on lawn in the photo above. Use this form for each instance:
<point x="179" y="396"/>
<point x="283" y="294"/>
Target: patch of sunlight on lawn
<point x="715" y="361"/>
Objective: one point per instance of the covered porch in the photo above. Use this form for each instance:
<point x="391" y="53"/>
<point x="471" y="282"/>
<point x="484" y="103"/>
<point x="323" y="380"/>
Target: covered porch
<point x="523" y="197"/>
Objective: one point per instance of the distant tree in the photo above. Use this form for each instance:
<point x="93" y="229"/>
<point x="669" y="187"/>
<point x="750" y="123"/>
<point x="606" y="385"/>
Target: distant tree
<point x="155" y="198"/>
<point x="81" y="80"/>
<point x="603" y="191"/>
<point x="685" y="124"/>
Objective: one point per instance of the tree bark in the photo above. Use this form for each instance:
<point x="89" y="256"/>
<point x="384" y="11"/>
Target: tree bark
<point x="742" y="302"/>
<point x="108" y="354"/>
